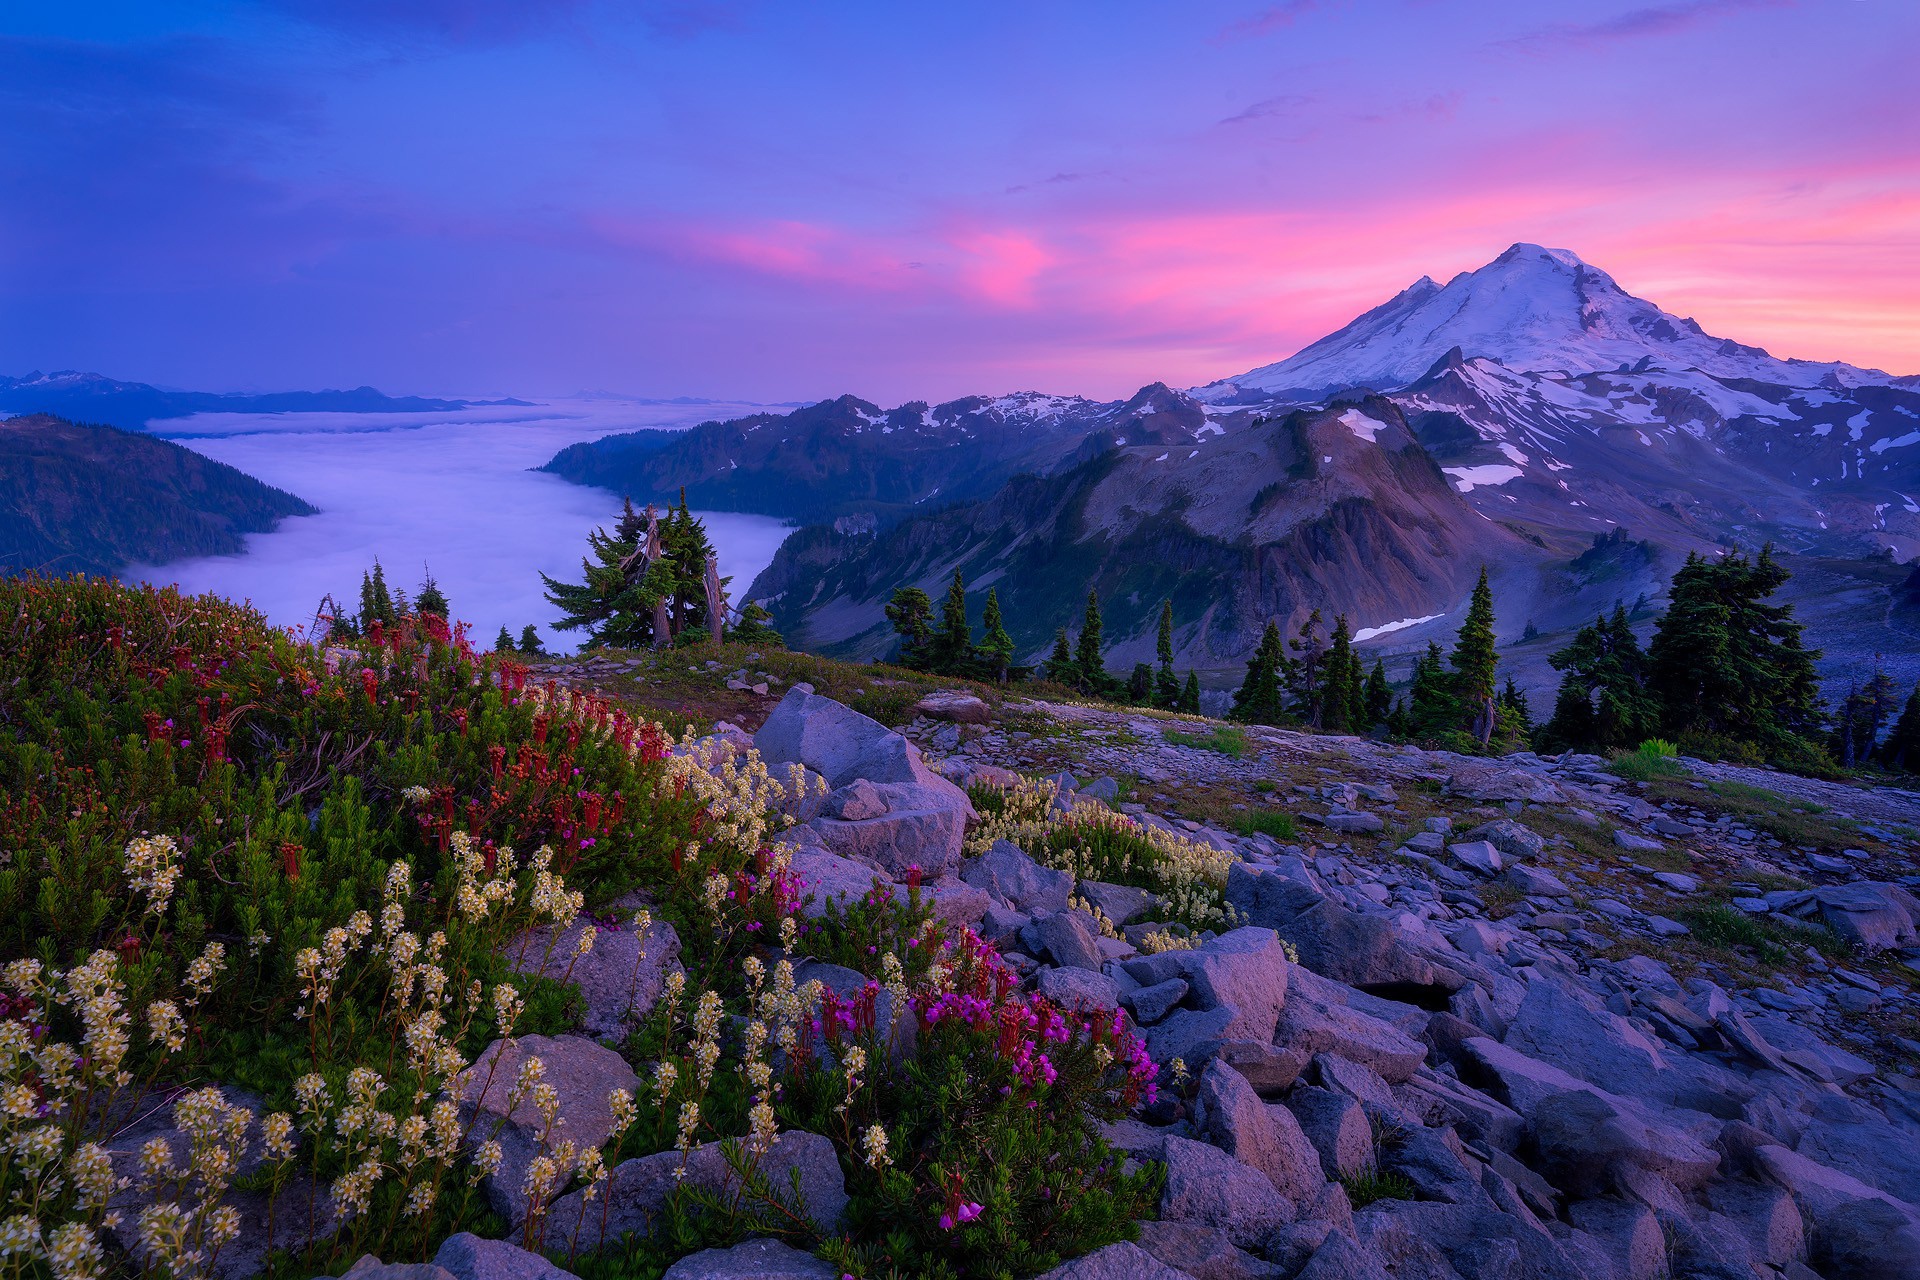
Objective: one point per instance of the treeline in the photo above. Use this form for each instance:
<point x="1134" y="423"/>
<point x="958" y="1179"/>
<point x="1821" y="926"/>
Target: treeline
<point x="1726" y="674"/>
<point x="946" y="646"/>
<point x="1317" y="680"/>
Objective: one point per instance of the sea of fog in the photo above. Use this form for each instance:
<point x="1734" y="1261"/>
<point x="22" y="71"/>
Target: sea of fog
<point x="450" y="491"/>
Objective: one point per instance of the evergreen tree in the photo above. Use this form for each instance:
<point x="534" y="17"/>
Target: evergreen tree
<point x="1342" y="696"/>
<point x="996" y="646"/>
<point x="1140" y="685"/>
<point x="755" y="627"/>
<point x="911" y="613"/>
<point x="530" y="640"/>
<point x="1603" y="702"/>
<point x="1865" y="711"/>
<point x="1086" y="653"/>
<point x="1473" y="664"/>
<point x="431" y="599"/>
<point x="1724" y="664"/>
<point x="1166" y="687"/>
<point x="1190" y="695"/>
<point x="1060" y="666"/>
<point x="1431" y="707"/>
<point x="614" y="605"/>
<point x="684" y="538"/>
<point x="1300" y="672"/>
<point x="953" y="646"/>
<point x="1379" y="695"/>
<point x="376" y="601"/>
<point x="1901" y="750"/>
<point x="1260" y="700"/>
<point x="503" y="643"/>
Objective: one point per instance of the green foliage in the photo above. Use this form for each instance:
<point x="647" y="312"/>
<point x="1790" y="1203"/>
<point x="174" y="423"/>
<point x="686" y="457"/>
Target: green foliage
<point x="1229" y="740"/>
<point x="1603" y="701"/>
<point x="953" y="646"/>
<point x="530" y="642"/>
<point x="910" y="613"/>
<point x="1432" y="707"/>
<point x="431" y="599"/>
<point x="1259" y="700"/>
<point x="1087" y="657"/>
<point x="1060" y="666"/>
<point x="1901" y="750"/>
<point x="1473" y="664"/>
<point x="1272" y="822"/>
<point x="1343" y="696"/>
<point x="1372" y="1183"/>
<point x="1377" y="698"/>
<point x="503" y="643"/>
<point x="1726" y="665"/>
<point x="615" y="604"/>
<point x="996" y="646"/>
<point x="755" y="627"/>
<point x="1867" y="708"/>
<point x="1190" y="695"/>
<point x="1652" y="759"/>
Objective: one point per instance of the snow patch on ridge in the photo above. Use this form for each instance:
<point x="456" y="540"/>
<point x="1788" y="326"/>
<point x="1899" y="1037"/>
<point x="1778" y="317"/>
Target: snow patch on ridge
<point x="1368" y="633"/>
<point x="1487" y="475"/>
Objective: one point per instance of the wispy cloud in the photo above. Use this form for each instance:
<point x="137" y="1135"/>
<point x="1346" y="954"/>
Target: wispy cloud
<point x="1273" y="18"/>
<point x="1651" y="22"/>
<point x="1283" y="104"/>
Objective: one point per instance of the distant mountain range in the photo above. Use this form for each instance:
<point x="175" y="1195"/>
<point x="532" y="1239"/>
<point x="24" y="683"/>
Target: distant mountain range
<point x="90" y="397"/>
<point x="1521" y="416"/>
<point x="93" y="499"/>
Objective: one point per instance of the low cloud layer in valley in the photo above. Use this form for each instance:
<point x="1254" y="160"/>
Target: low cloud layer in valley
<point x="450" y="491"/>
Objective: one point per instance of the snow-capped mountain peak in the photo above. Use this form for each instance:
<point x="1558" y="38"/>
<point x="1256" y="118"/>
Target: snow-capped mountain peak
<point x="1532" y="308"/>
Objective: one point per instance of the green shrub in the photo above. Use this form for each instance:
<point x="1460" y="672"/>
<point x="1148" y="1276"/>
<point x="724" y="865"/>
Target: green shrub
<point x="1229" y="740"/>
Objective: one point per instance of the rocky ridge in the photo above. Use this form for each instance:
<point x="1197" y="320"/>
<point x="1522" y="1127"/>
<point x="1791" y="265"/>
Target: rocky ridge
<point x="1440" y="1039"/>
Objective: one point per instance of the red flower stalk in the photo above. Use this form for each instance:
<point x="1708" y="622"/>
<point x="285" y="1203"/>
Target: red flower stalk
<point x="290" y="859"/>
<point x="540" y="730"/>
<point x="377" y="634"/>
<point x="498" y="756"/>
<point x="590" y="817"/>
<point x="460" y="719"/>
<point x="370" y="683"/>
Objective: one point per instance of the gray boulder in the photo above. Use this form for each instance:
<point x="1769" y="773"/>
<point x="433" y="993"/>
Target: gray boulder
<point x="1628" y="1233"/>
<point x="369" y="1267"/>
<point x="955" y="706"/>
<point x="1203" y="1252"/>
<point x="1120" y="1261"/>
<point x="1360" y="950"/>
<point x="918" y="825"/>
<point x="1873" y="915"/>
<point x="1313" y="1022"/>
<point x="470" y="1257"/>
<point x="1120" y="903"/>
<point x="582" y="1072"/>
<point x="754" y="1260"/>
<point x="1513" y="839"/>
<point x="1477" y="856"/>
<point x="1245" y="971"/>
<point x="828" y="877"/>
<point x="635" y="1191"/>
<point x="1069" y="939"/>
<point x="1079" y="990"/>
<point x="1009" y="874"/>
<point x="1266" y="1137"/>
<point x="1150" y="1004"/>
<point x="841" y="745"/>
<point x="1206" y="1185"/>
<point x="1337" y="1127"/>
<point x="619" y="980"/>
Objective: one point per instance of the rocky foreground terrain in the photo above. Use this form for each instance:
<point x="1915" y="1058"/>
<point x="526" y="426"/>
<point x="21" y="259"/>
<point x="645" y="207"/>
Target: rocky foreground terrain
<point x="1473" y="1018"/>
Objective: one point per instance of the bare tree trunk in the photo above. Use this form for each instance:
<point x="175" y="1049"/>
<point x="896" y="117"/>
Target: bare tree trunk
<point x="716" y="601"/>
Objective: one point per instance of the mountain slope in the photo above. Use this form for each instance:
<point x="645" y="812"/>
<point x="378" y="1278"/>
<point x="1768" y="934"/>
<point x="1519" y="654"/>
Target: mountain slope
<point x="1333" y="509"/>
<point x="89" y="397"/>
<point x="1534" y="309"/>
<point x="92" y="499"/>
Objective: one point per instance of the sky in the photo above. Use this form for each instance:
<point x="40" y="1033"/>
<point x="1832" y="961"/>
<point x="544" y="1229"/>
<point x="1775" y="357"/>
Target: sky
<point x="791" y="201"/>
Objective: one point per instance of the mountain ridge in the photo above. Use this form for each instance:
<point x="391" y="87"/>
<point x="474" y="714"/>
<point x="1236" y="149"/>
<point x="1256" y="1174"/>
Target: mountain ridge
<point x="92" y="397"/>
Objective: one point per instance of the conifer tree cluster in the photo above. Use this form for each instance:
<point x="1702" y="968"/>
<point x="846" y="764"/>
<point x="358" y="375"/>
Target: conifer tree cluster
<point x="385" y="604"/>
<point x="949" y="648"/>
<point x="1725" y="673"/>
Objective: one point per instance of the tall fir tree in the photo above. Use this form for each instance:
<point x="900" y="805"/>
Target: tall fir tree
<point x="1431" y="708"/>
<point x="911" y="613"/>
<point x="1867" y="709"/>
<point x="1301" y="674"/>
<point x="684" y="539"/>
<point x="1166" y="686"/>
<point x="1060" y="666"/>
<point x="755" y="627"/>
<point x="503" y="643"/>
<point x="953" y="645"/>
<point x="996" y="646"/>
<point x="1379" y="696"/>
<point x="1190" y="694"/>
<point x="1086" y="654"/>
<point x="1260" y="699"/>
<point x="1474" y="662"/>
<point x="1140" y="685"/>
<point x="1901" y="749"/>
<point x="530" y="640"/>
<point x="1724" y="664"/>
<point x="376" y="600"/>
<point x="1342" y="695"/>
<point x="1603" y="702"/>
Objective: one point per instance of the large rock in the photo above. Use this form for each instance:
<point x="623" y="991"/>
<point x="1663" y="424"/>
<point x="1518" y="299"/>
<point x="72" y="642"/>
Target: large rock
<point x="1628" y="1233"/>
<point x="954" y="706"/>
<point x="620" y="979"/>
<point x="1080" y="990"/>
<point x="1337" y="1127"/>
<point x="1872" y="915"/>
<point x="1206" y="1185"/>
<point x="1009" y="874"/>
<point x="1514" y="840"/>
<point x="368" y="1267"/>
<point x="1120" y="1261"/>
<point x="470" y="1257"/>
<point x="1314" y="1023"/>
<point x="1203" y="1252"/>
<point x="1069" y="939"/>
<point x="1360" y="950"/>
<point x="1120" y="903"/>
<point x="754" y="1260"/>
<point x="582" y="1073"/>
<point x="826" y="877"/>
<point x="1245" y="971"/>
<point x="902" y="825"/>
<point x="956" y="903"/>
<point x="1266" y="1137"/>
<point x="637" y="1190"/>
<point x="1479" y="781"/>
<point x="842" y="745"/>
